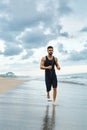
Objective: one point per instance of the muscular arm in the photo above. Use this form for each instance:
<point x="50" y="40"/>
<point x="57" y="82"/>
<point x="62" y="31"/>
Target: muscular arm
<point x="42" y="66"/>
<point x="57" y="64"/>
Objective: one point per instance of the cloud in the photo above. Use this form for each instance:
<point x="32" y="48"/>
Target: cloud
<point x="84" y="29"/>
<point x="61" y="49"/>
<point x="32" y="24"/>
<point x="28" y="54"/>
<point x="78" y="55"/>
<point x="28" y="14"/>
<point x="35" y="38"/>
<point x="65" y="34"/>
<point x="72" y="55"/>
<point x="64" y="8"/>
<point x="12" y="50"/>
<point x="85" y="45"/>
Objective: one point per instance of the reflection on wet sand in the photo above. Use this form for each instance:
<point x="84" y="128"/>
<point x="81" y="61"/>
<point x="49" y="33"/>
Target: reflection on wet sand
<point x="49" y="119"/>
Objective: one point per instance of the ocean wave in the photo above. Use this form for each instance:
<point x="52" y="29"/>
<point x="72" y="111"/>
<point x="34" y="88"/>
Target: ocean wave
<point x="72" y="82"/>
<point x="79" y="79"/>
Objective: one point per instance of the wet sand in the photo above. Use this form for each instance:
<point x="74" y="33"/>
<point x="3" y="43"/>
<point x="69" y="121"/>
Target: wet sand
<point x="8" y="83"/>
<point x="26" y="108"/>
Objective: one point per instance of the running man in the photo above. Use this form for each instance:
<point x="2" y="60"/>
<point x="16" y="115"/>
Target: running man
<point x="48" y="63"/>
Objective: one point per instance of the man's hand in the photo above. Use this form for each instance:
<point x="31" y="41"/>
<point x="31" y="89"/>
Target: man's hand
<point x="58" y="68"/>
<point x="49" y="67"/>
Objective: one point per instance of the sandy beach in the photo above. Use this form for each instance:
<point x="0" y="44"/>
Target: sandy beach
<point x="8" y="83"/>
<point x="26" y="108"/>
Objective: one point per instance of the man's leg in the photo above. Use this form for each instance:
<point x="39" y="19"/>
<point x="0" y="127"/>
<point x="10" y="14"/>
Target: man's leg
<point x="54" y="95"/>
<point x="48" y="88"/>
<point x="54" y="82"/>
<point x="48" y="95"/>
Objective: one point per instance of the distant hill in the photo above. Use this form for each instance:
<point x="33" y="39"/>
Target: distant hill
<point x="8" y="74"/>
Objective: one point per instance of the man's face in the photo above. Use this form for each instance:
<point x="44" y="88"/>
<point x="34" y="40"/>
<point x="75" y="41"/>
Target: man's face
<point x="50" y="51"/>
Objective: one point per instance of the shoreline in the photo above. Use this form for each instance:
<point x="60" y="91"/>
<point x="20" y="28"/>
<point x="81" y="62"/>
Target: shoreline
<point x="9" y="83"/>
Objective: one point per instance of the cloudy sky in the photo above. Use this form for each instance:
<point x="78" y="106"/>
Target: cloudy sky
<point x="27" y="27"/>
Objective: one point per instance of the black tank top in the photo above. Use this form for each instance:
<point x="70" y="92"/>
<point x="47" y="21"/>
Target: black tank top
<point x="47" y="63"/>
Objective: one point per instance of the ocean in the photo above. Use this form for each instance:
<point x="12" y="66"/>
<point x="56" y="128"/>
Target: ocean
<point x="78" y="78"/>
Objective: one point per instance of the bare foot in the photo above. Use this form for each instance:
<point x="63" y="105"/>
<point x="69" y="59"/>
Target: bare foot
<point x="54" y="103"/>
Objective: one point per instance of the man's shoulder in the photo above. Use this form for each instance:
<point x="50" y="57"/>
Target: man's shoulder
<point x="55" y="58"/>
<point x="44" y="58"/>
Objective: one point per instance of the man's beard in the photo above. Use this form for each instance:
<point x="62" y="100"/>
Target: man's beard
<point x="50" y="54"/>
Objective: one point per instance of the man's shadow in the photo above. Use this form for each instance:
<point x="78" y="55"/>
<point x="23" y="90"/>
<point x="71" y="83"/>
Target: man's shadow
<point x="49" y="119"/>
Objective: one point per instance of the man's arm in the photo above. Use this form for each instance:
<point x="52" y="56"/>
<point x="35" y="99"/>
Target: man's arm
<point x="57" y="64"/>
<point x="42" y="66"/>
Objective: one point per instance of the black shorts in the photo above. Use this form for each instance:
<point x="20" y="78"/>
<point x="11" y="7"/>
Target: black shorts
<point x="50" y="81"/>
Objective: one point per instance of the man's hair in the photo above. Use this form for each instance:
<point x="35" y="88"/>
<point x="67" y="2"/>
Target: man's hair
<point x="49" y="47"/>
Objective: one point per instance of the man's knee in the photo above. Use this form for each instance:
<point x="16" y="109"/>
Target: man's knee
<point x="55" y="88"/>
